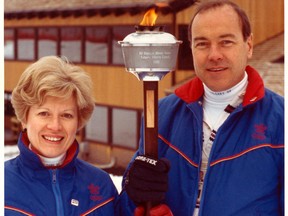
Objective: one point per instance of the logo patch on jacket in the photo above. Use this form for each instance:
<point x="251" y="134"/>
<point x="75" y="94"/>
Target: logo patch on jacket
<point x="94" y="192"/>
<point x="259" y="132"/>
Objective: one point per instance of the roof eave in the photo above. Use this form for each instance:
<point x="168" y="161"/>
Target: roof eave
<point x="174" y="7"/>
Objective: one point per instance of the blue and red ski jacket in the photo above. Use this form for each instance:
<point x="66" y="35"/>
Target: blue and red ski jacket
<point x="75" y="188"/>
<point x="245" y="173"/>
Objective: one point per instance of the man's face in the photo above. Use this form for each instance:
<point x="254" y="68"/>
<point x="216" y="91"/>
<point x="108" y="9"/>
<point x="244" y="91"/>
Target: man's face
<point x="219" y="51"/>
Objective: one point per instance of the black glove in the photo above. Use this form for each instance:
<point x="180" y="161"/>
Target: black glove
<point x="147" y="180"/>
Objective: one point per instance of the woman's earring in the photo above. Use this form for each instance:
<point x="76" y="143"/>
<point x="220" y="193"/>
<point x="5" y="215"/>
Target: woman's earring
<point x="24" y="130"/>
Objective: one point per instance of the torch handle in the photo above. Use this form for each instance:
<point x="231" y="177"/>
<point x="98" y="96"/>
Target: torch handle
<point x="151" y="118"/>
<point x="151" y="124"/>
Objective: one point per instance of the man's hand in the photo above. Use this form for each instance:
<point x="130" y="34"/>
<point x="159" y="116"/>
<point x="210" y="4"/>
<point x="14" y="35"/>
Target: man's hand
<point x="147" y="180"/>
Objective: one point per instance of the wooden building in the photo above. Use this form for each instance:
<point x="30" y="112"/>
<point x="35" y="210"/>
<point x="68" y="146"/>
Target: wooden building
<point x="87" y="32"/>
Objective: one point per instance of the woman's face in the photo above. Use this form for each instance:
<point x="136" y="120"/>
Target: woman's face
<point x="52" y="126"/>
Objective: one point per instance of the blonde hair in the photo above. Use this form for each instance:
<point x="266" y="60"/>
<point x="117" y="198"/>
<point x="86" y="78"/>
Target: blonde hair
<point x="53" y="76"/>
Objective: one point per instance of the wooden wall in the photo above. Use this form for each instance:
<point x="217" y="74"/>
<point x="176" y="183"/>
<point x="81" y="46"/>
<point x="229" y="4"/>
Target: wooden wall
<point x="114" y="86"/>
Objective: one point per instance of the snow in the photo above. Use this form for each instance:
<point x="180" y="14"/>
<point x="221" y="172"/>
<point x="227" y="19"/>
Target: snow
<point x="117" y="180"/>
<point x="11" y="151"/>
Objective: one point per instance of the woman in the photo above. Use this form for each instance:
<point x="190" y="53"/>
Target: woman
<point x="52" y="100"/>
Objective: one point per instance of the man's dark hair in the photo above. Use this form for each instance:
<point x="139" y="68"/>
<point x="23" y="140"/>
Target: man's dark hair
<point x="244" y="20"/>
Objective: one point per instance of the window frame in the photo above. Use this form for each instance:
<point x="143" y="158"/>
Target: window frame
<point x="34" y="41"/>
<point x="14" y="43"/>
<point x="110" y="41"/>
<point x="39" y="39"/>
<point x="110" y="127"/>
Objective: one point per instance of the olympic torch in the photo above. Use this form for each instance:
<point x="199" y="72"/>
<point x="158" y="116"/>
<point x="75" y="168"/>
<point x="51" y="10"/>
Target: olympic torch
<point x="150" y="54"/>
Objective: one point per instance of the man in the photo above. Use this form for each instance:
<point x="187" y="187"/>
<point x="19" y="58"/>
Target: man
<point x="222" y="132"/>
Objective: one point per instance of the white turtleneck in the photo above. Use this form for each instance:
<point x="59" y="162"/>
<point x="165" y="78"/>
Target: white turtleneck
<point x="55" y="161"/>
<point x="215" y="102"/>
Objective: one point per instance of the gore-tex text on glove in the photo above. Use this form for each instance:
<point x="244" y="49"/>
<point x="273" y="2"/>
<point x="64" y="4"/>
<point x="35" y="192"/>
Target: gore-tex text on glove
<point x="147" y="180"/>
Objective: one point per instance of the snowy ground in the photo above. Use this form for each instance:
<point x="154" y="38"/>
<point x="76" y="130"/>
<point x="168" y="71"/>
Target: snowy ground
<point x="11" y="151"/>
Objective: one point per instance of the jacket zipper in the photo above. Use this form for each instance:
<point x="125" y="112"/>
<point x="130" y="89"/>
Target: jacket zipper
<point x="57" y="192"/>
<point x="200" y="135"/>
<point x="238" y="109"/>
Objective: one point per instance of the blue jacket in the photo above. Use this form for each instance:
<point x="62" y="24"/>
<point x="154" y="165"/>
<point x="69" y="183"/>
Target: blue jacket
<point x="245" y="173"/>
<point x="76" y="188"/>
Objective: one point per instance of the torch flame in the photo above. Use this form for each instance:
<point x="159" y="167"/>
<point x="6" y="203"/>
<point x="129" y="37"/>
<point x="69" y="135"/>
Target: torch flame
<point x="149" y="18"/>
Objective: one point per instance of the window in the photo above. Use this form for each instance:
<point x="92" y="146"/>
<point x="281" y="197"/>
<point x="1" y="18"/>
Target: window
<point x="116" y="126"/>
<point x="71" y="41"/>
<point x="80" y="44"/>
<point x="9" y="44"/>
<point x="119" y="33"/>
<point x="97" y="127"/>
<point x="8" y="109"/>
<point x="47" y="41"/>
<point x="125" y="128"/>
<point x="185" y="60"/>
<point x="96" y="45"/>
<point x="26" y="44"/>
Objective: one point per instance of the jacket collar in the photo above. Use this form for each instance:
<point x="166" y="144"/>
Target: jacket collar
<point x="34" y="160"/>
<point x="194" y="90"/>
